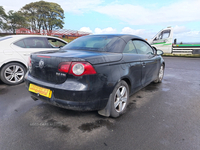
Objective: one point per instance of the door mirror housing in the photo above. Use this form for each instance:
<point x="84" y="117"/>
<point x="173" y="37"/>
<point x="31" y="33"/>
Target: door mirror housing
<point x="159" y="52"/>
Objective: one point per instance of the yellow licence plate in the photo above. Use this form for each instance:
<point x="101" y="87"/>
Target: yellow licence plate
<point x="40" y="90"/>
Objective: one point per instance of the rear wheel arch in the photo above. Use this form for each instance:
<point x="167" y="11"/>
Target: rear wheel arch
<point x="126" y="79"/>
<point x="128" y="82"/>
<point x="14" y="62"/>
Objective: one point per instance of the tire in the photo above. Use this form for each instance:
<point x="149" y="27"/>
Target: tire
<point x="119" y="99"/>
<point x="13" y="73"/>
<point x="160" y="75"/>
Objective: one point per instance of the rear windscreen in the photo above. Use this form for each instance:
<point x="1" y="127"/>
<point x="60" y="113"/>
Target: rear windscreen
<point x="95" y="43"/>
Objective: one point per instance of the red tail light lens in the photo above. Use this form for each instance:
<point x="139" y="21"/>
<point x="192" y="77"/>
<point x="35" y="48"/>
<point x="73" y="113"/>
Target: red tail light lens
<point x="64" y="67"/>
<point x="76" y="68"/>
<point x="43" y="56"/>
<point x="29" y="62"/>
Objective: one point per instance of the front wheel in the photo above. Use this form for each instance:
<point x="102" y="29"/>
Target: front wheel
<point x="119" y="99"/>
<point x="160" y="75"/>
<point x="13" y="73"/>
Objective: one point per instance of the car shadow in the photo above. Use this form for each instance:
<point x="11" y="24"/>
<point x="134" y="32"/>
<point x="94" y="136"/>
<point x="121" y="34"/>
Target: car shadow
<point x="1" y="82"/>
<point x="3" y="88"/>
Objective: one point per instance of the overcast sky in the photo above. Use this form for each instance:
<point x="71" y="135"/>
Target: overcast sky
<point x="139" y="17"/>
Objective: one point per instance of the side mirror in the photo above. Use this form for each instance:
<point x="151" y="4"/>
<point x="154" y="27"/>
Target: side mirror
<point x="159" y="52"/>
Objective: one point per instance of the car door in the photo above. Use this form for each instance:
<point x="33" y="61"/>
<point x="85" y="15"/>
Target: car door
<point x="150" y="61"/>
<point x="131" y="58"/>
<point x="163" y="41"/>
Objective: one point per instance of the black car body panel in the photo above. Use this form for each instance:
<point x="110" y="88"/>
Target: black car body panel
<point x="91" y="92"/>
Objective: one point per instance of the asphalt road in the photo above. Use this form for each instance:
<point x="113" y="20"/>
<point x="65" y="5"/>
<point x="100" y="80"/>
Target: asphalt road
<point x="162" y="116"/>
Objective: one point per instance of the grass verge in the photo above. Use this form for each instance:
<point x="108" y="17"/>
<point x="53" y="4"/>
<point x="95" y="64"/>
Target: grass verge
<point x="183" y="55"/>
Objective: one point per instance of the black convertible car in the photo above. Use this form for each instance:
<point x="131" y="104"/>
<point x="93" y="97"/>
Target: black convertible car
<point x="95" y="72"/>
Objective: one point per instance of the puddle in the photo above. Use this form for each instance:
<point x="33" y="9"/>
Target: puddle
<point x="151" y="88"/>
<point x="88" y="127"/>
<point x="44" y="114"/>
<point x="132" y="104"/>
<point x="45" y="117"/>
<point x="165" y="89"/>
<point x="59" y="125"/>
<point x="139" y="96"/>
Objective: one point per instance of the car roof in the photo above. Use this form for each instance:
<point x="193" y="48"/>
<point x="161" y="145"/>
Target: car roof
<point x="21" y="36"/>
<point x="126" y="37"/>
<point x="28" y="35"/>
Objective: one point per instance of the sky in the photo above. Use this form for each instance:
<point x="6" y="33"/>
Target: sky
<point x="144" y="18"/>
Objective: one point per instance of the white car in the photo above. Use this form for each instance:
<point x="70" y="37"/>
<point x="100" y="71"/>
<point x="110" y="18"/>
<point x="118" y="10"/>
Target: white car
<point x="15" y="51"/>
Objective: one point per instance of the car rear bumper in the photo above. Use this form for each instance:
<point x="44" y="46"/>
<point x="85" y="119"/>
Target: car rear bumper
<point x="84" y="99"/>
<point x="79" y="106"/>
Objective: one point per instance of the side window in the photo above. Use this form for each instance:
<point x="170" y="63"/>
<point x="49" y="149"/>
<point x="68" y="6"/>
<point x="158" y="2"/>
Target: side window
<point x="20" y="43"/>
<point x="29" y="42"/>
<point x="142" y="47"/>
<point x="130" y="48"/>
<point x="33" y="42"/>
<point x="36" y="42"/>
<point x="163" y="35"/>
<point x="166" y="34"/>
<point x="55" y="43"/>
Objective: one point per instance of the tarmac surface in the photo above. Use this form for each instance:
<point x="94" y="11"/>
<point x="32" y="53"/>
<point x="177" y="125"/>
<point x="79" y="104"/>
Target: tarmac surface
<point x="162" y="116"/>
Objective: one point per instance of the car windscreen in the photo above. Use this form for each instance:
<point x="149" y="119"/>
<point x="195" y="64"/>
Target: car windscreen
<point x="94" y="43"/>
<point x="4" y="38"/>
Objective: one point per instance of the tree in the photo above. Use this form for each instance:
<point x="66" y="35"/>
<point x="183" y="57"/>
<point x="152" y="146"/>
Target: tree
<point x="15" y="20"/>
<point x="43" y="15"/>
<point x="2" y="17"/>
<point x="55" y="17"/>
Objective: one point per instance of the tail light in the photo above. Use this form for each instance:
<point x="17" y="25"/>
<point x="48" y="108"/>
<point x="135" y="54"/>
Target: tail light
<point x="76" y="68"/>
<point x="29" y="62"/>
<point x="43" y="56"/>
<point x="81" y="68"/>
<point x="64" y="67"/>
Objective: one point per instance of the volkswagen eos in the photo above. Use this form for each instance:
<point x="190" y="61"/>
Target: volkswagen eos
<point x="95" y="72"/>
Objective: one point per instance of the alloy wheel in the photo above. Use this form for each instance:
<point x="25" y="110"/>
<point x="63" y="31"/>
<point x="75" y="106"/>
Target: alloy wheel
<point x="161" y="73"/>
<point x="120" y="99"/>
<point x="14" y="73"/>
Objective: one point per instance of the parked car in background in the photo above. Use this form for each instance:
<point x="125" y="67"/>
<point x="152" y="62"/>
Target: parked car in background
<point x="95" y="72"/>
<point x="15" y="51"/>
